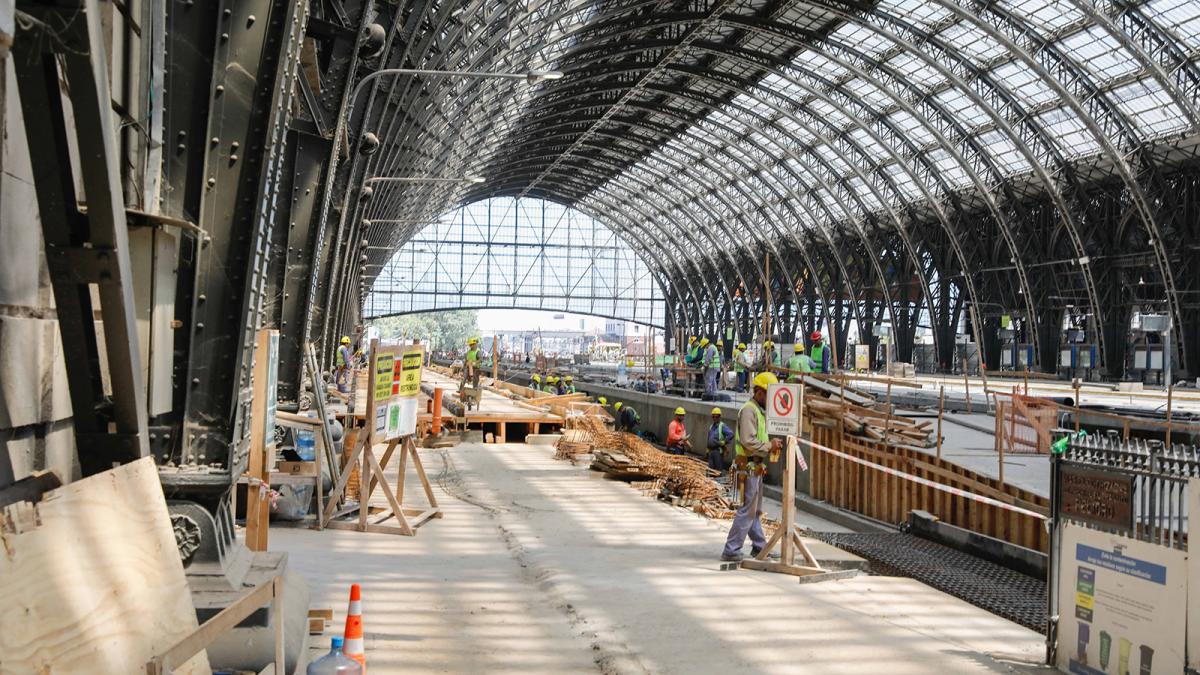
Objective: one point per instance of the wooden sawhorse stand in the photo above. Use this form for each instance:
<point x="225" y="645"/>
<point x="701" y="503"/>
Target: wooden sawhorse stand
<point x="787" y="537"/>
<point x="372" y="473"/>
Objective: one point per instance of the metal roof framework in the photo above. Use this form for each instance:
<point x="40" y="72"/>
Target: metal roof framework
<point x="907" y="162"/>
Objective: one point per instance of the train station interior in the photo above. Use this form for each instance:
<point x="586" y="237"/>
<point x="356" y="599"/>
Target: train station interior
<point x="599" y="336"/>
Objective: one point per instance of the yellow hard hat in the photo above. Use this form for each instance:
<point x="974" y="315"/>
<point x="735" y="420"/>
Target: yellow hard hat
<point x="680" y="411"/>
<point x="692" y="339"/>
<point x="345" y="340"/>
<point x="618" y="405"/>
<point x="570" y="378"/>
<point x="602" y="401"/>
<point x="768" y="344"/>
<point x="704" y="342"/>
<point x="537" y="378"/>
<point x="742" y="346"/>
<point x="552" y="379"/>
<point x="720" y="342"/>
<point x="472" y="341"/>
<point x="716" y="412"/>
<point x="762" y="380"/>
<point x="798" y="348"/>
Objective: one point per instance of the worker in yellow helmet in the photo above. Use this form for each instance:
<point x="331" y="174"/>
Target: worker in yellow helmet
<point x="719" y="438"/>
<point x="693" y="353"/>
<point x="568" y="384"/>
<point x="752" y="447"/>
<point x="741" y="366"/>
<point x="535" y="382"/>
<point x="769" y="358"/>
<point x="471" y="363"/>
<point x="551" y="384"/>
<point x="712" y="366"/>
<point x="344" y="362"/>
<point x="678" y="439"/>
<point x="627" y="418"/>
<point x="799" y="363"/>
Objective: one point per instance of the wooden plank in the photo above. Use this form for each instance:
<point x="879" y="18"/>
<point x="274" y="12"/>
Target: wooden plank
<point x="90" y="581"/>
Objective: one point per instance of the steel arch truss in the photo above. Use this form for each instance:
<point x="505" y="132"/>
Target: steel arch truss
<point x="785" y="165"/>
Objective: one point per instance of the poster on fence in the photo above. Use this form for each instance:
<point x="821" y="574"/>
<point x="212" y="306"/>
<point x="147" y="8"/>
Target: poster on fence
<point x="1121" y="604"/>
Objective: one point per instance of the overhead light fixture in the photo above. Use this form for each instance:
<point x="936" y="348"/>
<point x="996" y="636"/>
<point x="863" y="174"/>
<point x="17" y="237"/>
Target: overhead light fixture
<point x="475" y="179"/>
<point x="542" y="75"/>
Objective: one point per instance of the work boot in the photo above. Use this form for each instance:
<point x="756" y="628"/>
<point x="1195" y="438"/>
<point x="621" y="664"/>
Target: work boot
<point x="773" y="555"/>
<point x="731" y="557"/>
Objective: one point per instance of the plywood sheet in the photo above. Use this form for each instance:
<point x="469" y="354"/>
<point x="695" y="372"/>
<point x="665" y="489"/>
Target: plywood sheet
<point x="90" y="581"/>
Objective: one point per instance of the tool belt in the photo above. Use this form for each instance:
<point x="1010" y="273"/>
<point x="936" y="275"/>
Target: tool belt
<point x="743" y="466"/>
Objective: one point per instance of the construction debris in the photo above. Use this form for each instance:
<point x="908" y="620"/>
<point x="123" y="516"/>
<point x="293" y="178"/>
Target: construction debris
<point x="829" y="403"/>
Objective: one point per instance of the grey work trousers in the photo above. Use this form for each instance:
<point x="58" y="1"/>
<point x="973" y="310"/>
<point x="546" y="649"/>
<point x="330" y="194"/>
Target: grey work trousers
<point x="746" y="520"/>
<point x="710" y="380"/>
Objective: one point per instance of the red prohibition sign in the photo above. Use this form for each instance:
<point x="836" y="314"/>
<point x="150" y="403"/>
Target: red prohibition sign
<point x="782" y="402"/>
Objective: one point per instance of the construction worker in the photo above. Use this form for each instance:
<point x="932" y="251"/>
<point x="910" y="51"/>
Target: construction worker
<point x="769" y="358"/>
<point x="798" y="363"/>
<point x="627" y="418"/>
<point x="752" y="447"/>
<point x="569" y="386"/>
<point x="694" y="354"/>
<point x="602" y="401"/>
<point x="719" y="438"/>
<point x="741" y="366"/>
<point x="819" y="354"/>
<point x="471" y="363"/>
<point x="712" y="366"/>
<point x="551" y="384"/>
<point x="345" y="361"/>
<point x="678" y="440"/>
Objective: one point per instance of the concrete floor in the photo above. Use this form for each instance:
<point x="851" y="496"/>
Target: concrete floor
<point x="544" y="567"/>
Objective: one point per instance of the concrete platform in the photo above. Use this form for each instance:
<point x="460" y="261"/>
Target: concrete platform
<point x="544" y="567"/>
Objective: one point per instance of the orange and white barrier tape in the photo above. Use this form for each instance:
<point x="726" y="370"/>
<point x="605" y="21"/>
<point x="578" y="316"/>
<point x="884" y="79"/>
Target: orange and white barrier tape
<point x="925" y="481"/>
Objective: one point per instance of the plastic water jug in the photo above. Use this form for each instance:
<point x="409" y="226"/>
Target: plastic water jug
<point x="335" y="662"/>
<point x="306" y="444"/>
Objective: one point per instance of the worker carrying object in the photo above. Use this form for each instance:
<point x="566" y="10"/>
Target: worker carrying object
<point x="344" y="361"/>
<point x="752" y="447"/>
<point x="799" y="363"/>
<point x="627" y="418"/>
<point x="819" y="354"/>
<point x="471" y="363"/>
<point x="678" y="440"/>
<point x="719" y="438"/>
<point x="741" y="366"/>
<point x="712" y="366"/>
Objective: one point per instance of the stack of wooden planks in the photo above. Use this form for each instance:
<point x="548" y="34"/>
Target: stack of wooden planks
<point x="829" y="403"/>
<point x="572" y="444"/>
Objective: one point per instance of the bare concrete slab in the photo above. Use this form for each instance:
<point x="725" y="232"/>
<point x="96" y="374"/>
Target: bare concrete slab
<point x="544" y="567"/>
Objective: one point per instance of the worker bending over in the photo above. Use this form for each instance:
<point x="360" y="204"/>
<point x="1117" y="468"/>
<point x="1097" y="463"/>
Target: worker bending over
<point x="719" y="438"/>
<point x="627" y="418"/>
<point x="799" y="363"/>
<point x="819" y="354"/>
<point x="678" y="441"/>
<point x="341" y="373"/>
<point x="694" y="353"/>
<point x="752" y="447"/>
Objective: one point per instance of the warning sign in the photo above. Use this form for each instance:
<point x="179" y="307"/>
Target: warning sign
<point x="783" y="410"/>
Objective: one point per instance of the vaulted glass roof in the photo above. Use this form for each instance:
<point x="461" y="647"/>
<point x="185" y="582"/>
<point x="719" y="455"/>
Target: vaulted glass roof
<point x="711" y="132"/>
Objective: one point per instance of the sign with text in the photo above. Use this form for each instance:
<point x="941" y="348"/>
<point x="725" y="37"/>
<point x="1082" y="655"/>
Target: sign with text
<point x="862" y="357"/>
<point x="1122" y="604"/>
<point x="1096" y="496"/>
<point x="408" y="383"/>
<point x="384" y="374"/>
<point x="783" y="409"/>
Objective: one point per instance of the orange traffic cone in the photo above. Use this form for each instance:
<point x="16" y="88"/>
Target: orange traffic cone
<point x="353" y="646"/>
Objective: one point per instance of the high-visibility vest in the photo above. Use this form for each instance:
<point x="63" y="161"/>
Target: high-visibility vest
<point x="342" y="356"/>
<point x="800" y="362"/>
<point x="737" y="361"/>
<point x="693" y="353"/>
<point x="817" y="354"/>
<point x="714" y="357"/>
<point x="760" y="433"/>
<point x="472" y="356"/>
